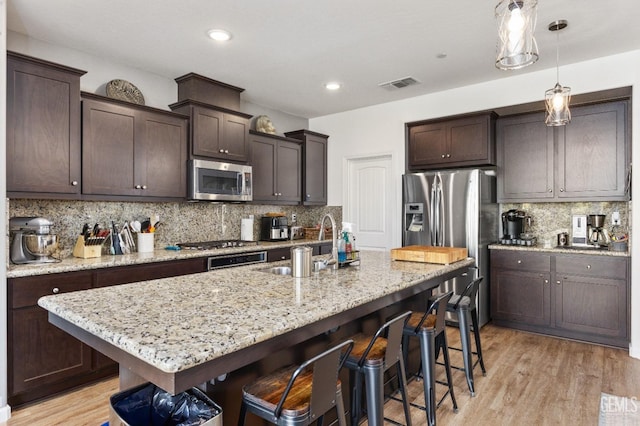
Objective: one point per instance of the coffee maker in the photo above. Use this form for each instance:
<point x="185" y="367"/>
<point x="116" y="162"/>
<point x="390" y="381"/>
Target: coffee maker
<point x="32" y="240"/>
<point x="513" y="223"/>
<point x="598" y="235"/>
<point x="274" y="228"/>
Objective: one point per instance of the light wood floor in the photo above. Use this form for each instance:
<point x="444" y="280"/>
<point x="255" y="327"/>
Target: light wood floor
<point x="531" y="380"/>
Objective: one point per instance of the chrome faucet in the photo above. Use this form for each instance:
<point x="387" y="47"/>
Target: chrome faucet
<point x="333" y="260"/>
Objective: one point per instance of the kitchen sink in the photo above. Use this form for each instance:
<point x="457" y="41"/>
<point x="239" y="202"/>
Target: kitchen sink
<point x="277" y="270"/>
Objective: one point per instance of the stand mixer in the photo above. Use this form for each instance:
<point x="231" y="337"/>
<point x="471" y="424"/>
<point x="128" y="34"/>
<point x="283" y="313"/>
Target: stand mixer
<point x="32" y="240"/>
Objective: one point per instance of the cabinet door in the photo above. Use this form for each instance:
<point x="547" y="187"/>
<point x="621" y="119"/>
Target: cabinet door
<point x="43" y="129"/>
<point x="108" y="149"/>
<point x="525" y="148"/>
<point x="41" y="353"/>
<point x="591" y="305"/>
<point x="207" y="132"/>
<point x="263" y="160"/>
<point x="288" y="170"/>
<point x="235" y="140"/>
<point x="315" y="171"/>
<point x="161" y="156"/>
<point x="520" y="296"/>
<point x="592" y="153"/>
<point x="427" y="145"/>
<point x="469" y="141"/>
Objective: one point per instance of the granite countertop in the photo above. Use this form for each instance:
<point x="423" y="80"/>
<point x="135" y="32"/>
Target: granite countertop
<point x="71" y="263"/>
<point x="177" y="323"/>
<point x="568" y="250"/>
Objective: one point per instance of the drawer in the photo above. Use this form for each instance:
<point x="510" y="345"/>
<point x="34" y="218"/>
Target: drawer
<point x="592" y="266"/>
<point x="26" y="291"/>
<point x="520" y="260"/>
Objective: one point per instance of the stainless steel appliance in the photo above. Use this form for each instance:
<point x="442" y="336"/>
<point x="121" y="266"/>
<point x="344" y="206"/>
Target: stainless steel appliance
<point x="454" y="208"/>
<point x="215" y="181"/>
<point x="32" y="240"/>
<point x="579" y="235"/>
<point x="227" y="260"/>
<point x="598" y="235"/>
<point x="217" y="244"/>
<point x="274" y="228"/>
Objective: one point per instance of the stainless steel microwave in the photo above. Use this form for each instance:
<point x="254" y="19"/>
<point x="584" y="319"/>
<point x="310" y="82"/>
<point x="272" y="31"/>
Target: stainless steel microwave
<point x="215" y="181"/>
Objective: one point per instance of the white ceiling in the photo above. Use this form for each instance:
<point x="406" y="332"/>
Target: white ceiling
<point x="283" y="51"/>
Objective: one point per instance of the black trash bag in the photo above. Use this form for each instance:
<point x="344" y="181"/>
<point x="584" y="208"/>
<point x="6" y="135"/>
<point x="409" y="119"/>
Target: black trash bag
<point x="150" y="405"/>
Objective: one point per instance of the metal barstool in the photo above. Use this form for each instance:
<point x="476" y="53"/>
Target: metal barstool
<point x="429" y="328"/>
<point x="299" y="396"/>
<point x="464" y="305"/>
<point x="370" y="358"/>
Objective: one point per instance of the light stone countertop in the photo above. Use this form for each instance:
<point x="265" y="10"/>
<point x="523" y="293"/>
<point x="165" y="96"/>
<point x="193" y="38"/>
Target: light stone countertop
<point x="71" y="263"/>
<point x="595" y="252"/>
<point x="177" y="323"/>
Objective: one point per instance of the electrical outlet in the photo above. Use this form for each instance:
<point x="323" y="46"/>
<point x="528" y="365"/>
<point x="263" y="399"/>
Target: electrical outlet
<point x="294" y="217"/>
<point x="615" y="218"/>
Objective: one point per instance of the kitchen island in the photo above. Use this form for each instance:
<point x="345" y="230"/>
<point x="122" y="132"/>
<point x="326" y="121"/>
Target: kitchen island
<point x="183" y="331"/>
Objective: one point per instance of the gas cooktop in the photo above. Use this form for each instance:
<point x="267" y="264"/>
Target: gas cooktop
<point x="210" y="245"/>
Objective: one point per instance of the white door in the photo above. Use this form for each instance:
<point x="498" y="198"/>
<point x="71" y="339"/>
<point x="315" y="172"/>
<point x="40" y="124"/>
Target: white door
<point x="369" y="201"/>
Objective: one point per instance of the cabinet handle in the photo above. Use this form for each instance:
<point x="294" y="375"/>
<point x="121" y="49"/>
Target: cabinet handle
<point x="448" y="155"/>
<point x="550" y="191"/>
<point x="138" y="187"/>
<point x="226" y="151"/>
<point x="55" y="290"/>
<point x="283" y="257"/>
<point x="561" y="189"/>
<point x="221" y="151"/>
<point x="519" y="261"/>
<point x="546" y="281"/>
<point x="588" y="266"/>
<point x="74" y="183"/>
<point x="558" y="282"/>
<point x="144" y="186"/>
<point x="442" y="155"/>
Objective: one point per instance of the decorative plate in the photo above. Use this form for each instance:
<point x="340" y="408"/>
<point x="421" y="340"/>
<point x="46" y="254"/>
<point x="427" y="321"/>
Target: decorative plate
<point x="124" y="91"/>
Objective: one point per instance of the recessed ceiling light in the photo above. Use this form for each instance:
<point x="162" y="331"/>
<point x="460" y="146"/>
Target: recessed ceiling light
<point x="332" y="85"/>
<point x="219" y="35"/>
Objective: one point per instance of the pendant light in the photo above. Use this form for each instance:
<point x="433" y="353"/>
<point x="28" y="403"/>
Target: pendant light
<point x="516" y="46"/>
<point x="557" y="99"/>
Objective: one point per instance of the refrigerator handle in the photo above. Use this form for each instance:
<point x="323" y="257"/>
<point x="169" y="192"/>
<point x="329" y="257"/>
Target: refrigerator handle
<point x="441" y="216"/>
<point x="433" y="212"/>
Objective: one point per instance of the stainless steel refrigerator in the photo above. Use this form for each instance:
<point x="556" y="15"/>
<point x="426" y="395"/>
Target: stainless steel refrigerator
<point x="454" y="208"/>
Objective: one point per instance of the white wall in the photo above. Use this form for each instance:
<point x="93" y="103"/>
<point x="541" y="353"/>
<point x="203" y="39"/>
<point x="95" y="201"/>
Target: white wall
<point x="5" y="411"/>
<point x="380" y="128"/>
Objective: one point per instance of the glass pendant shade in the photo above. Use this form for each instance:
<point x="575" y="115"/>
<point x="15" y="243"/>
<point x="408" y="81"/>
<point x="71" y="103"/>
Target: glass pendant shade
<point x="516" y="46"/>
<point x="557" y="105"/>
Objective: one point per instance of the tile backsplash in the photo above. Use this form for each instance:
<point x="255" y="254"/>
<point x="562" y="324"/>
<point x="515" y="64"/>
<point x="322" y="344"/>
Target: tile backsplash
<point x="549" y="219"/>
<point x="180" y="222"/>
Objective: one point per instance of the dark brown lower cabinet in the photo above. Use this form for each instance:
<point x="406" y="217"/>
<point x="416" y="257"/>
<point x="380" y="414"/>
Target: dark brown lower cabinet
<point x="583" y="297"/>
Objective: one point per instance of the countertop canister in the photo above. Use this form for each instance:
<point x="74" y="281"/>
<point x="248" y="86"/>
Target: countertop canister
<point x="301" y="261"/>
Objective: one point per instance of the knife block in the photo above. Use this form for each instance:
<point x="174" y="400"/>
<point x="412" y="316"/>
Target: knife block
<point x="86" y="252"/>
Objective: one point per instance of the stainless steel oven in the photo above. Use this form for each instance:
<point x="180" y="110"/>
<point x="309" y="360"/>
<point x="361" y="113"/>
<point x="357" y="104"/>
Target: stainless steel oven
<point x="215" y="181"/>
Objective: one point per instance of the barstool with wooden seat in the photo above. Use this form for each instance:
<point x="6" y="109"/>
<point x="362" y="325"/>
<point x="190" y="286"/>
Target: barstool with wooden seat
<point x="429" y="328"/>
<point x="464" y="306"/>
<point x="370" y="358"/>
<point x="299" y="396"/>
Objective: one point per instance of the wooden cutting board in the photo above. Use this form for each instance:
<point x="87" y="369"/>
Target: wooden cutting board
<point x="429" y="254"/>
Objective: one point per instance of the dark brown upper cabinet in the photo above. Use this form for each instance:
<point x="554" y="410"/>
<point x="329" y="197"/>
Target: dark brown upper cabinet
<point x="132" y="150"/>
<point x="453" y="142"/>
<point x="43" y="129"/>
<point x="216" y="133"/>
<point x="277" y="169"/>
<point x="586" y="160"/>
<point x="314" y="166"/>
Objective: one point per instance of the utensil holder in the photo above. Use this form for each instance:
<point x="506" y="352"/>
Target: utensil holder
<point x="84" y="251"/>
<point x="145" y="242"/>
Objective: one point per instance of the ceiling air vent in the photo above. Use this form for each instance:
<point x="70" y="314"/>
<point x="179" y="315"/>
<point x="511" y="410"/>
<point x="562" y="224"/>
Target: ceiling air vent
<point x="400" y="83"/>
